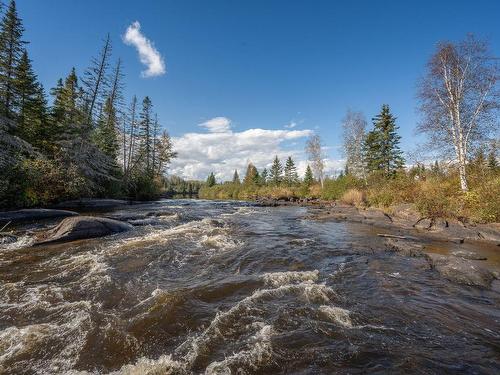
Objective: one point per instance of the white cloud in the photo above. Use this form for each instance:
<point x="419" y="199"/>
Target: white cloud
<point x="221" y="150"/>
<point x="217" y="125"/>
<point x="291" y="125"/>
<point x="148" y="54"/>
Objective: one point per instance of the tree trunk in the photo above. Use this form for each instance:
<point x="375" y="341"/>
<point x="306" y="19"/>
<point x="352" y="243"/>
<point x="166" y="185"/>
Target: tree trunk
<point x="463" y="178"/>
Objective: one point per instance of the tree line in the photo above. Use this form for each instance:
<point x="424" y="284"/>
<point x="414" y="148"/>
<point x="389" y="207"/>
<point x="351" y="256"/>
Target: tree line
<point x="87" y="142"/>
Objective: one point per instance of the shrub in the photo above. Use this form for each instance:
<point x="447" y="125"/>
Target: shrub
<point x="354" y="197"/>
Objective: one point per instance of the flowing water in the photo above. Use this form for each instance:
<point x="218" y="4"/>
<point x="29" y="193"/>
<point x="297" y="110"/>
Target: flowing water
<point x="227" y="288"/>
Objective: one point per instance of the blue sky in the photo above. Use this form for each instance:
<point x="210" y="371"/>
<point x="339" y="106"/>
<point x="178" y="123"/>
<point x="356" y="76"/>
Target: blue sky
<point x="260" y="65"/>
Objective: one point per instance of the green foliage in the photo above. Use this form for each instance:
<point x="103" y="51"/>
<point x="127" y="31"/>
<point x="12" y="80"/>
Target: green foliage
<point x="334" y="189"/>
<point x="308" y="177"/>
<point x="382" y="152"/>
<point x="236" y="177"/>
<point x="290" y="172"/>
<point x="275" y="173"/>
<point x="211" y="180"/>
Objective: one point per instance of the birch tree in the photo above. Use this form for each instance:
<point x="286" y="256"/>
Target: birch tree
<point x="459" y="99"/>
<point x="354" y="134"/>
<point x="315" y="155"/>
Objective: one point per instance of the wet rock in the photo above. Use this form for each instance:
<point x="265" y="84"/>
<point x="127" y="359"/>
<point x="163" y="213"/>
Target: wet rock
<point x="404" y="247"/>
<point x="82" y="227"/>
<point x="468" y="255"/>
<point x="424" y="223"/>
<point x="461" y="270"/>
<point x="90" y="204"/>
<point x="33" y="214"/>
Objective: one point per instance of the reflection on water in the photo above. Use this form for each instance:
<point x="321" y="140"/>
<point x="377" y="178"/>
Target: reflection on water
<point x="224" y="287"/>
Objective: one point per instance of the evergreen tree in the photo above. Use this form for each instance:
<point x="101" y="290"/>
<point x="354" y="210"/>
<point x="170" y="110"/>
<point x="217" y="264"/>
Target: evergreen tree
<point x="263" y="176"/>
<point x="308" y="177"/>
<point x="106" y="135"/>
<point x="211" y="180"/>
<point x="236" y="178"/>
<point x="275" y="173"/>
<point x="11" y="51"/>
<point x="145" y="133"/>
<point x="290" y="176"/>
<point x="251" y="176"/>
<point x="66" y="114"/>
<point x="96" y="82"/>
<point x="382" y="152"/>
<point x="492" y="158"/>
<point x="164" y="152"/>
<point x="28" y="100"/>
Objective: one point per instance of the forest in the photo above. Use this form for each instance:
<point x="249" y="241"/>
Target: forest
<point x="86" y="143"/>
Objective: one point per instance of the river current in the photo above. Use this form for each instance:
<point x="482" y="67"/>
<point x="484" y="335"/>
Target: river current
<point x="203" y="287"/>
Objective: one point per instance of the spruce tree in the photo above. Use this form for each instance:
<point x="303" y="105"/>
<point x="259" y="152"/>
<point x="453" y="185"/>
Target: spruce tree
<point x="382" y="152"/>
<point x="145" y="133"/>
<point x="106" y="135"/>
<point x="211" y="180"/>
<point x="264" y="176"/>
<point x="11" y="51"/>
<point x="67" y="114"/>
<point x="291" y="176"/>
<point x="275" y="173"/>
<point x="308" y="177"/>
<point x="27" y="90"/>
<point x="236" y="178"/>
<point x="492" y="159"/>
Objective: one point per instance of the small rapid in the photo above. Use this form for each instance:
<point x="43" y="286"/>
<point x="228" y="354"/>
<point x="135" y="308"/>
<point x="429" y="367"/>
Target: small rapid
<point x="200" y="287"/>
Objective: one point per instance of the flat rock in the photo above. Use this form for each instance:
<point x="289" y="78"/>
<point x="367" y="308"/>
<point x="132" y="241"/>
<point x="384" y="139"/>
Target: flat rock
<point x="462" y="271"/>
<point x="404" y="247"/>
<point x="33" y="214"/>
<point x="82" y="227"/>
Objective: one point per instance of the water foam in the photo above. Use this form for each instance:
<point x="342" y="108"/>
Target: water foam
<point x="337" y="315"/>
<point x="282" y="278"/>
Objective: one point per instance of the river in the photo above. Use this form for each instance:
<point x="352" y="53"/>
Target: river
<point x="229" y="288"/>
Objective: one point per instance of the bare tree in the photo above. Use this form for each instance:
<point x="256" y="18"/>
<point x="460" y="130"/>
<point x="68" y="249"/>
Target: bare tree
<point x="354" y="129"/>
<point x="459" y="99"/>
<point x="315" y="155"/>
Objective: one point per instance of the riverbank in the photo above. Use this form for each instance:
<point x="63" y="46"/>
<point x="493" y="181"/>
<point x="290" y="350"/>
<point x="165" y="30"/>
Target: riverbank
<point x="402" y="217"/>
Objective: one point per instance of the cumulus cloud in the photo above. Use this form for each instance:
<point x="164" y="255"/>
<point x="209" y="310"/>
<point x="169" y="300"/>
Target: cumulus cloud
<point x="221" y="150"/>
<point x="217" y="125"/>
<point x="148" y="54"/>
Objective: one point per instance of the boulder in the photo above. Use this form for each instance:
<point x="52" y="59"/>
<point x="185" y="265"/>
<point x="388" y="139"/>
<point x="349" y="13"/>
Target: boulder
<point x="33" y="214"/>
<point x="82" y="227"/>
<point x="461" y="270"/>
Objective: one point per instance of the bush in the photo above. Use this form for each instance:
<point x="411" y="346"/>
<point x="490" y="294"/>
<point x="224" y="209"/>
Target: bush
<point x="335" y="189"/>
<point x="354" y="197"/>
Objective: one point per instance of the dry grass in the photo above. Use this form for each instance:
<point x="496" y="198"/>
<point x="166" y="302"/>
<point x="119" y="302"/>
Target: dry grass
<point x="354" y="197"/>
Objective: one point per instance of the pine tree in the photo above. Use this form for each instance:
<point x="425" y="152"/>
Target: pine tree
<point x="251" y="176"/>
<point x="145" y="133"/>
<point x="308" y="177"/>
<point x="211" y="180"/>
<point x="11" y="51"/>
<point x="236" y="178"/>
<point x="382" y="152"/>
<point x="275" y="173"/>
<point x="291" y="177"/>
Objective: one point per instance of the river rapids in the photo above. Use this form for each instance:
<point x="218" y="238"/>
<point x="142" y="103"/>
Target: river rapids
<point x="203" y="287"/>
